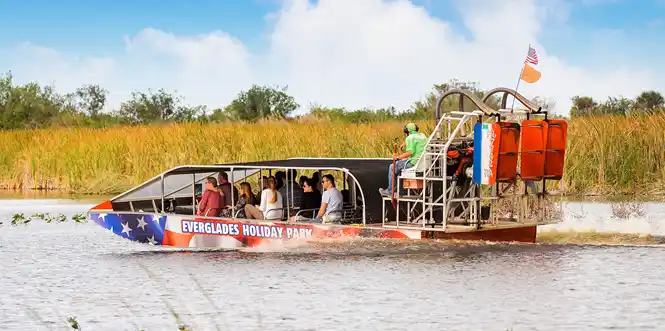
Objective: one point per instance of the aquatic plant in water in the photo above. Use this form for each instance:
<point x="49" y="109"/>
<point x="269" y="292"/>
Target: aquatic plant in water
<point x="20" y="218"/>
<point x="74" y="325"/>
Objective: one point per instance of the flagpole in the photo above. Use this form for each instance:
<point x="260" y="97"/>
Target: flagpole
<point x="512" y="108"/>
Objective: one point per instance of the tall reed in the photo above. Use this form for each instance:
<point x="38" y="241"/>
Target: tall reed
<point x="606" y="154"/>
<point x="616" y="154"/>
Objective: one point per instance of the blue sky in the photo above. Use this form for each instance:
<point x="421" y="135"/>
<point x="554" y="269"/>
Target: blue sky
<point x="98" y="26"/>
<point x="597" y="35"/>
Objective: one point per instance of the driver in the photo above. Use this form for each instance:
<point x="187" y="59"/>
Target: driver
<point x="415" y="146"/>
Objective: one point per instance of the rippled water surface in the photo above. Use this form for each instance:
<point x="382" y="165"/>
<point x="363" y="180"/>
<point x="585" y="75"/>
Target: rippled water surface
<point x="53" y="271"/>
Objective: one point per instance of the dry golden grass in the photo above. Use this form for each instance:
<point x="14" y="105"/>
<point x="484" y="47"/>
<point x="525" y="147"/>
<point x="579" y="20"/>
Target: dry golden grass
<point x="605" y="154"/>
<point x="616" y="153"/>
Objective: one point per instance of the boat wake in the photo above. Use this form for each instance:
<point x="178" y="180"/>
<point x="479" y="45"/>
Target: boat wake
<point x="413" y="250"/>
<point x="545" y="239"/>
<point x="382" y="247"/>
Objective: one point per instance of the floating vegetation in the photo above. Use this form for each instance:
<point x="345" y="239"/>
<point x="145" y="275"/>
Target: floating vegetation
<point x="74" y="325"/>
<point x="20" y="218"/>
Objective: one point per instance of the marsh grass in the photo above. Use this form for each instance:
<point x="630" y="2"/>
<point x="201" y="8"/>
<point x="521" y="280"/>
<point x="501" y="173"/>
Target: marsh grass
<point x="616" y="154"/>
<point x="605" y="155"/>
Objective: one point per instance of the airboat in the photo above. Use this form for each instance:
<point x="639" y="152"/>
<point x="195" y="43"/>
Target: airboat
<point x="483" y="176"/>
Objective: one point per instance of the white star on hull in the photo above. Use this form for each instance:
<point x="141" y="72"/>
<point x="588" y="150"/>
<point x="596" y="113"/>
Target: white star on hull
<point x="142" y="223"/>
<point x="125" y="228"/>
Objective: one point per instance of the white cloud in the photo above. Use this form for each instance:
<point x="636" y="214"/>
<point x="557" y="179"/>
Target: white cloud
<point x="351" y="53"/>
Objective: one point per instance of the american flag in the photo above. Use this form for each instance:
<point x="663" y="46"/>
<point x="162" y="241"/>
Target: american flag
<point x="531" y="56"/>
<point x="143" y="228"/>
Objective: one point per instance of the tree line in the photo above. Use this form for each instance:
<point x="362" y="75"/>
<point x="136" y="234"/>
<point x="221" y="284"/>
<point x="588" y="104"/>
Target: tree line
<point x="34" y="106"/>
<point x="645" y="102"/>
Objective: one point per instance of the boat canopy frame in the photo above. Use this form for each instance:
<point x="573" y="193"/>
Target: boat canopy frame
<point x="350" y="167"/>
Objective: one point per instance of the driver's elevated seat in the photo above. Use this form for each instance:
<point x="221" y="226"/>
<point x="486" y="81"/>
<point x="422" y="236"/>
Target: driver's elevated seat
<point x="409" y="175"/>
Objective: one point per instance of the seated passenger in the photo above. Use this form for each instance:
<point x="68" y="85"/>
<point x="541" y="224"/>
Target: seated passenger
<point x="228" y="190"/>
<point x="279" y="177"/>
<point x="316" y="181"/>
<point x="331" y="202"/>
<point x="294" y="175"/>
<point x="246" y="197"/>
<point x="271" y="204"/>
<point x="263" y="184"/>
<point x="294" y="200"/>
<point x="311" y="199"/>
<point x="211" y="201"/>
<point x="301" y="180"/>
<point x="415" y="146"/>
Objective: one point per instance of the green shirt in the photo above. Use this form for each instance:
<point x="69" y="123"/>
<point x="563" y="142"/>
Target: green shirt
<point x="415" y="143"/>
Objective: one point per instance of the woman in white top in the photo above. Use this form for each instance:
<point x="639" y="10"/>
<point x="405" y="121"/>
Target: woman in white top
<point x="271" y="204"/>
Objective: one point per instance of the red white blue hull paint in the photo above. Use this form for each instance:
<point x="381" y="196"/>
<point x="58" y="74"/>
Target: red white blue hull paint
<point x="202" y="232"/>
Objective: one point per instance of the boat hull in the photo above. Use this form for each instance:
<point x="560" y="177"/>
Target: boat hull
<point x="200" y="232"/>
<point x="526" y="234"/>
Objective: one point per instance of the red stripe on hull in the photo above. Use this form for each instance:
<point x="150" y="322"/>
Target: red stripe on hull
<point x="524" y="234"/>
<point x="106" y="205"/>
<point x="392" y="234"/>
<point x="177" y="239"/>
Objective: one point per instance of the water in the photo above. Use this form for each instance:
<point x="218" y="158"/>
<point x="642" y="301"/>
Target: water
<point x="54" y="271"/>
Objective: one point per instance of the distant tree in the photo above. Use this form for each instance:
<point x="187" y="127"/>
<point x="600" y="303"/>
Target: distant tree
<point x="156" y="106"/>
<point x="6" y="84"/>
<point x="218" y="115"/>
<point x="455" y="84"/>
<point x="190" y="114"/>
<point x="582" y="106"/>
<point x="29" y="105"/>
<point x="91" y="99"/>
<point x="261" y="102"/>
<point x="616" y="106"/>
<point x="649" y="100"/>
<point x="327" y="113"/>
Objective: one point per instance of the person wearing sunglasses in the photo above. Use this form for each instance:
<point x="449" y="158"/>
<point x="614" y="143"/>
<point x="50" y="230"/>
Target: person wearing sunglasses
<point x="331" y="202"/>
<point x="311" y="198"/>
